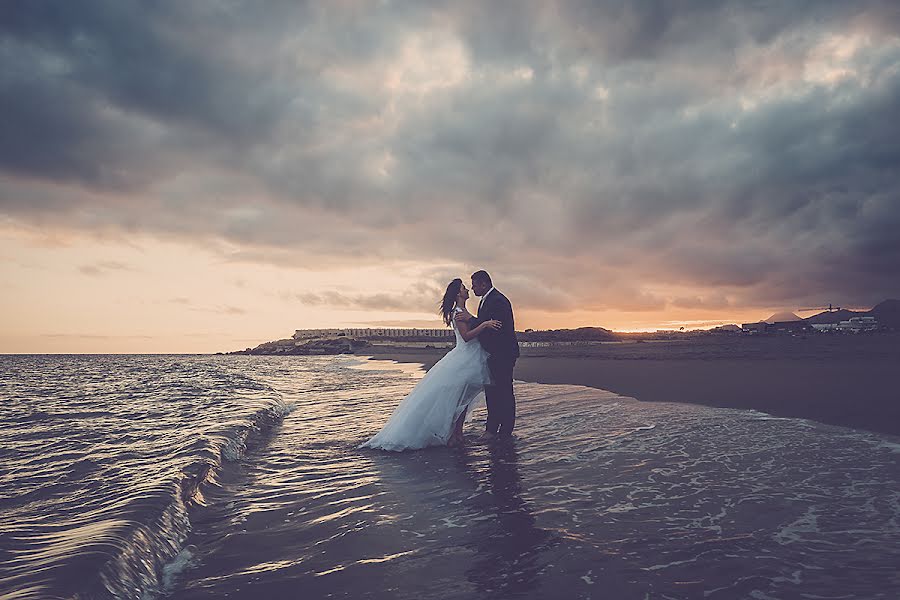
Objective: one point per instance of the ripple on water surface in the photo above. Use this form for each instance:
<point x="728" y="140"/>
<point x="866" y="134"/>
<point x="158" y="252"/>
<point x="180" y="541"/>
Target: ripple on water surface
<point x="102" y="458"/>
<point x="600" y="496"/>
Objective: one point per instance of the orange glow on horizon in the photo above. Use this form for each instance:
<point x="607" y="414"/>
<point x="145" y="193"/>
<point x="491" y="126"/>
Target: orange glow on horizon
<point x="71" y="294"/>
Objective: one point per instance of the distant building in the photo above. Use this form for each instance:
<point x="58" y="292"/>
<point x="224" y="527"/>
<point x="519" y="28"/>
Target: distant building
<point x="754" y="328"/>
<point x="779" y="327"/>
<point x="851" y="325"/>
<point x="369" y="332"/>
<point x="858" y="324"/>
<point x="791" y="327"/>
<point x="373" y="333"/>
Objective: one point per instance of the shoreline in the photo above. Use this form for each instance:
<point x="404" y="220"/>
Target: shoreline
<point x="850" y="383"/>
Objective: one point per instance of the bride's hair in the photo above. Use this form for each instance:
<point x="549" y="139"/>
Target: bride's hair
<point x="449" y="300"/>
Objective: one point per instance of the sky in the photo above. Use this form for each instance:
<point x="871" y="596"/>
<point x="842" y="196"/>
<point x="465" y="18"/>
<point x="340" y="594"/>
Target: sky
<point x="205" y="176"/>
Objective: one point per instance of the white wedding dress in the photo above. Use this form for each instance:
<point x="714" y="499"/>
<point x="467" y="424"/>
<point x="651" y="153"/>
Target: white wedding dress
<point x="426" y="416"/>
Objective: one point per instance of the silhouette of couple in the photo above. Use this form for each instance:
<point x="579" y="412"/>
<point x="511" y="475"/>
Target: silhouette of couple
<point x="479" y="366"/>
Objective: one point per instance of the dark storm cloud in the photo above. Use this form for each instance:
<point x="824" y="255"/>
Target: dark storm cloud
<point x="167" y="60"/>
<point x="93" y="92"/>
<point x="616" y="148"/>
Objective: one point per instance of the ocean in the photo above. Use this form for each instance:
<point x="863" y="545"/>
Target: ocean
<point x="194" y="477"/>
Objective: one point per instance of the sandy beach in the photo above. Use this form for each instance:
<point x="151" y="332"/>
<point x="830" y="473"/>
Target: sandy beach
<point x="851" y="381"/>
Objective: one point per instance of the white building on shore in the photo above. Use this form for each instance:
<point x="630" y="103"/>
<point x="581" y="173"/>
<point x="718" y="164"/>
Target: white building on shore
<point x="852" y="325"/>
<point x="858" y="324"/>
<point x="373" y="332"/>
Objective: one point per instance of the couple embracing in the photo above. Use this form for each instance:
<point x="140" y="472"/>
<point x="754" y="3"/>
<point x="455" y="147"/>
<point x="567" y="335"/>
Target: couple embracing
<point x="480" y="365"/>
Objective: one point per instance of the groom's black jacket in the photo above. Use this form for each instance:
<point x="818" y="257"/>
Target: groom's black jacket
<point x="501" y="344"/>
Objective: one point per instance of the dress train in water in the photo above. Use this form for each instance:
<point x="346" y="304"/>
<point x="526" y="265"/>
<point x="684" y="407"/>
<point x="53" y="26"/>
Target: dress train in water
<point x="426" y="416"/>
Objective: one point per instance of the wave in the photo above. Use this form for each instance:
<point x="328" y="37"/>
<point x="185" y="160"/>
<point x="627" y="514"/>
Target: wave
<point x="134" y="545"/>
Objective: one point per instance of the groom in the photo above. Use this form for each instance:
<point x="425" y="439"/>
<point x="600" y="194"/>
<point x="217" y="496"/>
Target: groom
<point x="503" y="349"/>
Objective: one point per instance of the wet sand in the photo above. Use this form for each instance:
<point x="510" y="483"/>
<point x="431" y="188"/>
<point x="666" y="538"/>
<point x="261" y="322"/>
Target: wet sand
<point x="851" y="381"/>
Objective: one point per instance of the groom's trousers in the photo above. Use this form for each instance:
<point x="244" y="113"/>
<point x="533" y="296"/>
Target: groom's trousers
<point x="499" y="396"/>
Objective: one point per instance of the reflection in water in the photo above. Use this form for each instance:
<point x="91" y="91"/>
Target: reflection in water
<point x="508" y="543"/>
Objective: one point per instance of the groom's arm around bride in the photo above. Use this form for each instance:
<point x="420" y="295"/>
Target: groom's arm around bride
<point x="503" y="348"/>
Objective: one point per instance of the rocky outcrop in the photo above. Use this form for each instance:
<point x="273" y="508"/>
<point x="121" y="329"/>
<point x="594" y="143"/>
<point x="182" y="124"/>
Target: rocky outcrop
<point x="290" y="346"/>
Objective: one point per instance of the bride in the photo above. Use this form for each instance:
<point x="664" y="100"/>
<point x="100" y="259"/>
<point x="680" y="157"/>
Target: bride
<point x="435" y="411"/>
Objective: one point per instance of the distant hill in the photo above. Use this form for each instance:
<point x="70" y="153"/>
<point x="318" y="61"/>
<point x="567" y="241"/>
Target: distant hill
<point x="582" y="334"/>
<point x="782" y="317"/>
<point x="834" y="316"/>
<point x="887" y="313"/>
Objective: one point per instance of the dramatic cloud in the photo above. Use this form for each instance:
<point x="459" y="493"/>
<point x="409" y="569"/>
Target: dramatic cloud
<point x="603" y="155"/>
<point x="419" y="299"/>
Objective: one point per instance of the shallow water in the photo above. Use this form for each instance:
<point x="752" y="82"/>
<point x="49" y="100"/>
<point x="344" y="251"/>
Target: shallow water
<point x="239" y="477"/>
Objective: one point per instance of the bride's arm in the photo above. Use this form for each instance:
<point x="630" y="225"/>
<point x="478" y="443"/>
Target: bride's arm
<point x="470" y="334"/>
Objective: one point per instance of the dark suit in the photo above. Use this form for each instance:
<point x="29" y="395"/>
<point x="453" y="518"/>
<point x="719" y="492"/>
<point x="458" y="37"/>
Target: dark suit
<point x="503" y="348"/>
